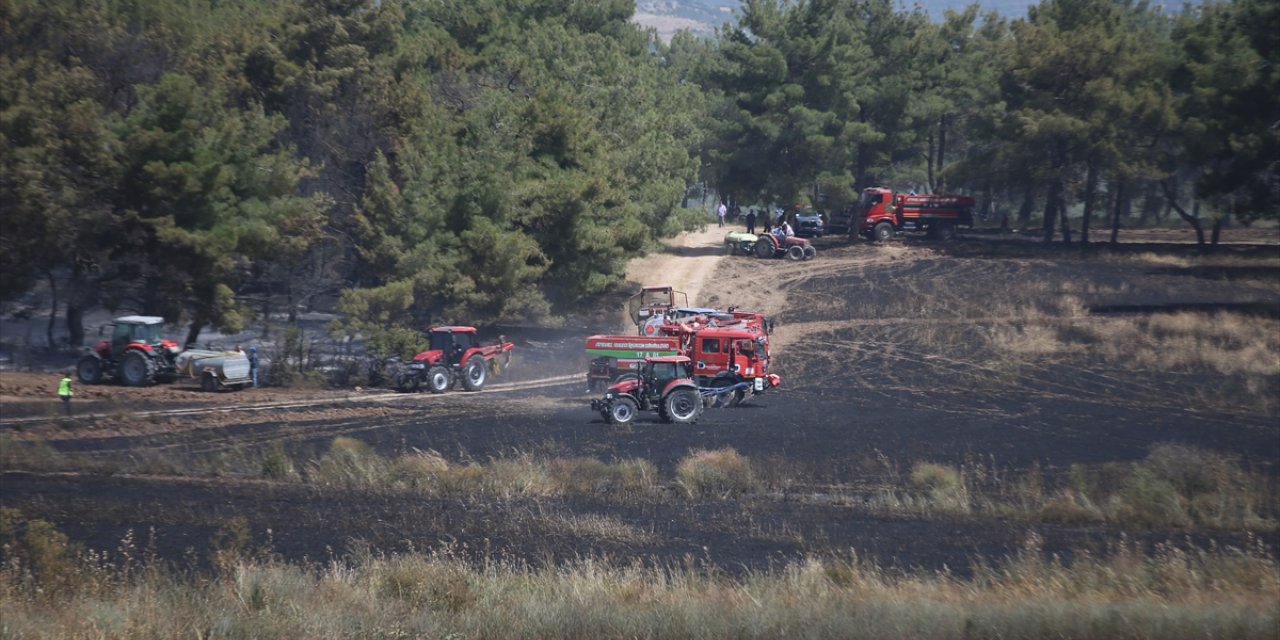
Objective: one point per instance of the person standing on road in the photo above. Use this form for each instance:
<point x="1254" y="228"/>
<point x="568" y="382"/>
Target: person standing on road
<point x="721" y="212"/>
<point x="253" y="364"/>
<point x="65" y="392"/>
<point x="751" y="221"/>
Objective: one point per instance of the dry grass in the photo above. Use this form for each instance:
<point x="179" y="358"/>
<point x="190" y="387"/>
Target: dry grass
<point x="722" y="472"/>
<point x="1129" y="591"/>
<point x="1174" y="486"/>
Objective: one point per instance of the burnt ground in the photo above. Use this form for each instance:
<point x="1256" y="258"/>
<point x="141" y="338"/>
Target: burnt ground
<point x="881" y="369"/>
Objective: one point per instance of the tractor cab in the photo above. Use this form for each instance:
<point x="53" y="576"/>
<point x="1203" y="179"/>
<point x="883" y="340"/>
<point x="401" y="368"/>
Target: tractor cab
<point x="136" y="330"/>
<point x="652" y="302"/>
<point x="659" y="372"/>
<point x="453" y="342"/>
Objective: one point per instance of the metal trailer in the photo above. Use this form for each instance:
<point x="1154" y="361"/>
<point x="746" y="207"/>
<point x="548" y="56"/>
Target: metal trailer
<point x="215" y="370"/>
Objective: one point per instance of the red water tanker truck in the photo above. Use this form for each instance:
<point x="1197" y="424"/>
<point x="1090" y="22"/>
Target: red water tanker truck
<point x="881" y="214"/>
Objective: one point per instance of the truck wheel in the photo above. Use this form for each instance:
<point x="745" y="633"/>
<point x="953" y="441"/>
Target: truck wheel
<point x="882" y="232"/>
<point x="475" y="373"/>
<point x="136" y="369"/>
<point x="764" y="247"/>
<point x="438" y="379"/>
<point x="622" y="411"/>
<point x="89" y="369"/>
<point x="795" y="253"/>
<point x="683" y="406"/>
<point x="810" y="252"/>
<point x="208" y="382"/>
<point x="738" y="397"/>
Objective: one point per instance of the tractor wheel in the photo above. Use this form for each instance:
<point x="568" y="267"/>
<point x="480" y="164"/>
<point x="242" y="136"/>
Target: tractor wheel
<point x="438" y="379"/>
<point x="810" y="252"/>
<point x="208" y="382"/>
<point x="136" y="369"/>
<point x="795" y="253"/>
<point x="882" y="232"/>
<point x="89" y="369"/>
<point x="475" y="373"/>
<point x="682" y="406"/>
<point x="764" y="247"/>
<point x="407" y="381"/>
<point x="622" y="411"/>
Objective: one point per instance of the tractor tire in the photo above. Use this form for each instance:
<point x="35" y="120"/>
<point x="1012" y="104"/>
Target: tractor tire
<point x="882" y="232"/>
<point x="795" y="253"/>
<point x="89" y="369"/>
<point x="208" y="382"/>
<point x="136" y="369"/>
<point x="810" y="252"/>
<point x="475" y="373"/>
<point x="438" y="379"/>
<point x="407" y="381"/>
<point x="622" y="411"/>
<point x="682" y="406"/>
<point x="764" y="248"/>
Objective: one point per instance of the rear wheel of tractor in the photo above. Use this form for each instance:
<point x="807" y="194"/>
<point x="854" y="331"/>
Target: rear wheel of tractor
<point x="795" y="253"/>
<point x="882" y="232"/>
<point x="682" y="406"/>
<point x="475" y="373"/>
<point x="764" y="247"/>
<point x="137" y="370"/>
<point x="89" y="369"/>
<point x="622" y="411"/>
<point x="208" y="382"/>
<point x="438" y="379"/>
<point x="810" y="252"/>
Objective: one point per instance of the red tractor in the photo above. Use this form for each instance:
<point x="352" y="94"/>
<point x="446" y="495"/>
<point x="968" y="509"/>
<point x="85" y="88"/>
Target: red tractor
<point x="454" y="355"/>
<point x="136" y="354"/>
<point x="664" y="384"/>
<point x="769" y="245"/>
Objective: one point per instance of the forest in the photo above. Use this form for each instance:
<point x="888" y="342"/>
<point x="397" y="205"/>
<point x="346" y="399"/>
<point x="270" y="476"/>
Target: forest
<point x="406" y="162"/>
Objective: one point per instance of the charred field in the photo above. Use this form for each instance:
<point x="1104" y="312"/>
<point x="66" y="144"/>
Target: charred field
<point x="939" y="405"/>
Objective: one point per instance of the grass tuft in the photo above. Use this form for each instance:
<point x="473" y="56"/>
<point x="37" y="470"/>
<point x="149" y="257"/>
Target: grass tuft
<point x="705" y="473"/>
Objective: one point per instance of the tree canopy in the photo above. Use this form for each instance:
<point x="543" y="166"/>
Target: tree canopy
<point x="414" y="161"/>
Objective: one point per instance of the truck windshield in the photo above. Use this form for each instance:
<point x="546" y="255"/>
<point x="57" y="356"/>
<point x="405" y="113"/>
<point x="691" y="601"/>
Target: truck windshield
<point x="867" y="200"/>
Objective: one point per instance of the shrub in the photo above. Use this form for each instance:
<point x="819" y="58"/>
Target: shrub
<point x="724" y="471"/>
<point x="944" y="485"/>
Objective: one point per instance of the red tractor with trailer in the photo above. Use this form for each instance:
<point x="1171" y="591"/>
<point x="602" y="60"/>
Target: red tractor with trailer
<point x="662" y="383"/>
<point x="770" y="245"/>
<point x="136" y="354"/>
<point x="454" y="356"/>
<point x="730" y="354"/>
<point x="881" y="214"/>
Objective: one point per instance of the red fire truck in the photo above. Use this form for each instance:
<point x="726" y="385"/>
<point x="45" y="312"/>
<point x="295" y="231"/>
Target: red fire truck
<point x="883" y="214"/>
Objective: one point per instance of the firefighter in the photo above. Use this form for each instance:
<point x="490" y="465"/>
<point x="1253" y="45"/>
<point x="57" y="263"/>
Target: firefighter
<point x="65" y="392"/>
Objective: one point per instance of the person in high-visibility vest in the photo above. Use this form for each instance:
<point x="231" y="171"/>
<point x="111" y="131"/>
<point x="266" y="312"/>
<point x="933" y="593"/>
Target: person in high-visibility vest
<point x="65" y="392"/>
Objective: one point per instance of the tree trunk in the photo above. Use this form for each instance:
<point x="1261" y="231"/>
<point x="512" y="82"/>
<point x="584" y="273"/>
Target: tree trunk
<point x="1217" y="232"/>
<point x="1028" y="203"/>
<point x="929" y="156"/>
<point x="1066" y="222"/>
<point x="1090" y="193"/>
<point x="53" y="311"/>
<point x="1051" y="208"/>
<point x="75" y="324"/>
<point x="940" y="186"/>
<point x="1193" y="220"/>
<point x="193" y="332"/>
<point x="1119" y="206"/>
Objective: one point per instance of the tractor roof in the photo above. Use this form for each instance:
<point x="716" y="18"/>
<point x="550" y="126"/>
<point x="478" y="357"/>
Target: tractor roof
<point x="139" y="320"/>
<point x="455" y="329"/>
<point x="676" y="359"/>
